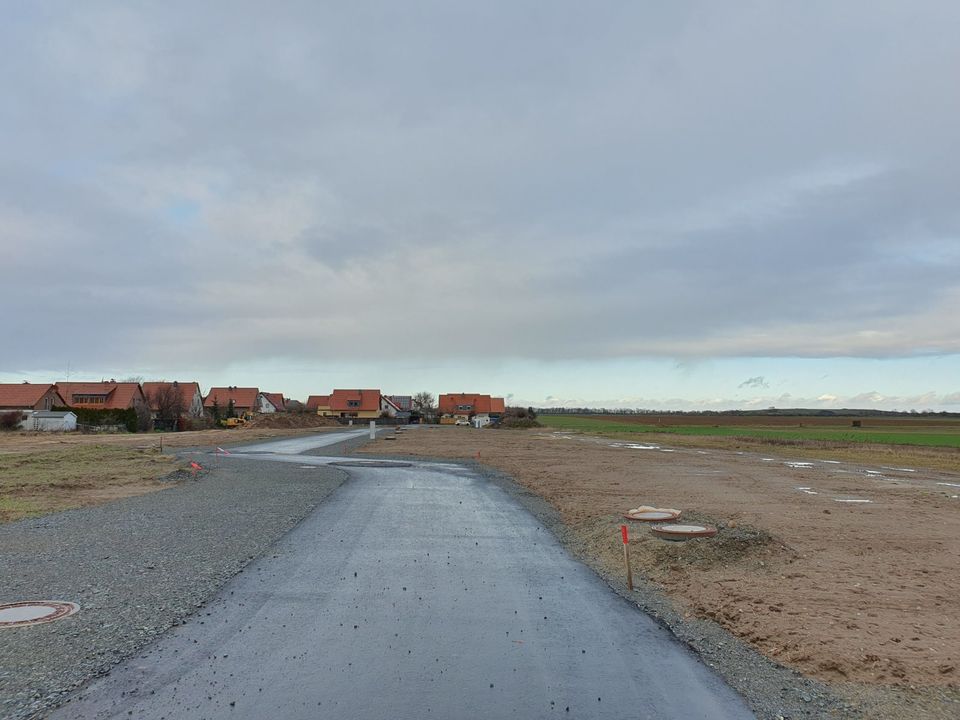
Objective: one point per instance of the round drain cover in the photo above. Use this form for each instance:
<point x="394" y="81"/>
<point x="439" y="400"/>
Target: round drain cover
<point x="653" y="515"/>
<point x="370" y="463"/>
<point x="34" y="612"/>
<point x="683" y="532"/>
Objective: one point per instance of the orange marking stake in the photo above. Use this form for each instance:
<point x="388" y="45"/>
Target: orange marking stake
<point x="625" y="535"/>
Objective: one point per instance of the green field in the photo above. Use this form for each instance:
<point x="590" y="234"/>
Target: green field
<point x="909" y="433"/>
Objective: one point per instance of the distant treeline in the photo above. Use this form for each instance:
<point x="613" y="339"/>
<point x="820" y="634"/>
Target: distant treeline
<point x="779" y="412"/>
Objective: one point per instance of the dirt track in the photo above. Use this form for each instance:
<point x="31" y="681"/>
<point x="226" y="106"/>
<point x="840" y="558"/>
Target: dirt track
<point x="841" y="591"/>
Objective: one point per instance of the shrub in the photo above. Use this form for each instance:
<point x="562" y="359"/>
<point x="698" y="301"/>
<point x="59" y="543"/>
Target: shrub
<point x="10" y="420"/>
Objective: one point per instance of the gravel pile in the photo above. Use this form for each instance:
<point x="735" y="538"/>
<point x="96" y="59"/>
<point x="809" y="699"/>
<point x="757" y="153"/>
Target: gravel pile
<point x="136" y="567"/>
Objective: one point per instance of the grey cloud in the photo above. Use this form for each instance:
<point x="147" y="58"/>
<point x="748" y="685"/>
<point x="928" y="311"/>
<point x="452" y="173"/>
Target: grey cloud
<point x="683" y="180"/>
<point x="755" y="382"/>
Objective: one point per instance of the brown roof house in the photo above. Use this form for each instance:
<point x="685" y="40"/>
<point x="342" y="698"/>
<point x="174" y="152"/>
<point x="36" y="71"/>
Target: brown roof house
<point x="103" y="395"/>
<point x="108" y="395"/>
<point x="245" y="400"/>
<point x="19" y="400"/>
<point x="469" y="406"/>
<point x="29" y="396"/>
<point x="277" y="400"/>
<point x="353" y="404"/>
<point x="172" y="403"/>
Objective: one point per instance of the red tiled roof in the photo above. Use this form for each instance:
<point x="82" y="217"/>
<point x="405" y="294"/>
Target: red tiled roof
<point x="317" y="401"/>
<point x="449" y="403"/>
<point x="117" y="395"/>
<point x="277" y="399"/>
<point x="242" y="397"/>
<point x="187" y="391"/>
<point x="23" y="395"/>
<point x="368" y="399"/>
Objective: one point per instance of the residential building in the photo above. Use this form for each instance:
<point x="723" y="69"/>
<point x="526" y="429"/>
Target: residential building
<point x="319" y="404"/>
<point x="187" y="397"/>
<point x="404" y="403"/>
<point x="246" y="401"/>
<point x="277" y="400"/>
<point x="469" y="406"/>
<point x="353" y="404"/>
<point x="29" y="397"/>
<point x="103" y="395"/>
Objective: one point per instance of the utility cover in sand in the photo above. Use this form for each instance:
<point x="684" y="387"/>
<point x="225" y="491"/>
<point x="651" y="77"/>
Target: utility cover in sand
<point x="33" y="612"/>
<point x="683" y="532"/>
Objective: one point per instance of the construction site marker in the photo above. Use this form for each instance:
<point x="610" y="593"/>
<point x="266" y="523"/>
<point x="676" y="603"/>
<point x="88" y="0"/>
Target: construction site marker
<point x="625" y="536"/>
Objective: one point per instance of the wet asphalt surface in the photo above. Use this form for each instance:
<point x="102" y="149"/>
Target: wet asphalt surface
<point x="412" y="592"/>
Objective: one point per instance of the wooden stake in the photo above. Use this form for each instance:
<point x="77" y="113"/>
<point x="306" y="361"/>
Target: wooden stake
<point x="626" y="555"/>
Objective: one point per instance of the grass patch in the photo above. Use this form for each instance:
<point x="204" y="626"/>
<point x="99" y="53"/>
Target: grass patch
<point x="36" y="483"/>
<point x="921" y="437"/>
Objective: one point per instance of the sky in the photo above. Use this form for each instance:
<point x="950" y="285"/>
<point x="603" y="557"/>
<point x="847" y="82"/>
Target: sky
<point x="688" y="205"/>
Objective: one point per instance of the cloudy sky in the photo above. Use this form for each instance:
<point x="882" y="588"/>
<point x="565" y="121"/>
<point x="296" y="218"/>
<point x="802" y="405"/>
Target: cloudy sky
<point x="685" y="204"/>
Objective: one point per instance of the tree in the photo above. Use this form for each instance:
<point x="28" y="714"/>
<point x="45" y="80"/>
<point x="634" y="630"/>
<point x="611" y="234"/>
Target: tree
<point x="215" y="411"/>
<point x="231" y="410"/>
<point x="168" y="400"/>
<point x="423" y="408"/>
<point x="423" y="402"/>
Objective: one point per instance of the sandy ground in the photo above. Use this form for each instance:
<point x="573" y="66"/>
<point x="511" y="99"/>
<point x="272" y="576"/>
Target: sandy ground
<point x="846" y="592"/>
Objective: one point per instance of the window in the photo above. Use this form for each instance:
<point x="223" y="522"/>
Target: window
<point x="465" y="408"/>
<point x="353" y="403"/>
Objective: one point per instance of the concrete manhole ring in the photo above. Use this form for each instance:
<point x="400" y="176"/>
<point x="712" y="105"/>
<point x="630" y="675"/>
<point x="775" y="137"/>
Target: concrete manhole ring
<point x="683" y="532"/>
<point x="653" y="515"/>
<point x="371" y="463"/>
<point x="34" y="612"/>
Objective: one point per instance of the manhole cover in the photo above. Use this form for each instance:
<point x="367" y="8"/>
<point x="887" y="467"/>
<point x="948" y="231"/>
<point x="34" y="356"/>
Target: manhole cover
<point x="33" y="612"/>
<point x="653" y="515"/>
<point x="683" y="532"/>
<point x="371" y="463"/>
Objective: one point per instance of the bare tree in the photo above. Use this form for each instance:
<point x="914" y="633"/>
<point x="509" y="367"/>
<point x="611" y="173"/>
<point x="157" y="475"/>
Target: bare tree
<point x="423" y="403"/>
<point x="168" y="401"/>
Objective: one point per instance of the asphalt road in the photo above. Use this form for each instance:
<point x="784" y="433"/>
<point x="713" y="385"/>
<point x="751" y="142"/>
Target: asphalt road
<point x="413" y="592"/>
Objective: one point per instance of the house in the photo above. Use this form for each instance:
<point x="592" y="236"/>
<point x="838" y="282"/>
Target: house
<point x="277" y="400"/>
<point x="480" y="409"/>
<point x="245" y="400"/>
<point x="185" y="399"/>
<point x="403" y="402"/>
<point x="51" y="421"/>
<point x="353" y="404"/>
<point x="319" y="404"/>
<point x="29" y="397"/>
<point x="103" y="395"/>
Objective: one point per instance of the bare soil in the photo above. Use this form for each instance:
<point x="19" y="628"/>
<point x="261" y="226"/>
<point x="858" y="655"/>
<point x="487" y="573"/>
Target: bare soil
<point x="851" y="593"/>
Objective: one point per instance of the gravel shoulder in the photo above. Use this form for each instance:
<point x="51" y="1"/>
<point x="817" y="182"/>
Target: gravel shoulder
<point x="136" y="566"/>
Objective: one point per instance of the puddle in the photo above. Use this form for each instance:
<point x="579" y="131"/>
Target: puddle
<point x="665" y="450"/>
<point x="799" y="464"/>
<point x="808" y="491"/>
<point x="873" y="472"/>
<point x="371" y="464"/>
<point x="852" y="500"/>
<point x="831" y="462"/>
<point x="898" y="469"/>
<point x="949" y="484"/>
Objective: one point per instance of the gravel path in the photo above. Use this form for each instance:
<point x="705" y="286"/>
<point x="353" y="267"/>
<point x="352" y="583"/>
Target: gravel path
<point x="136" y="567"/>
